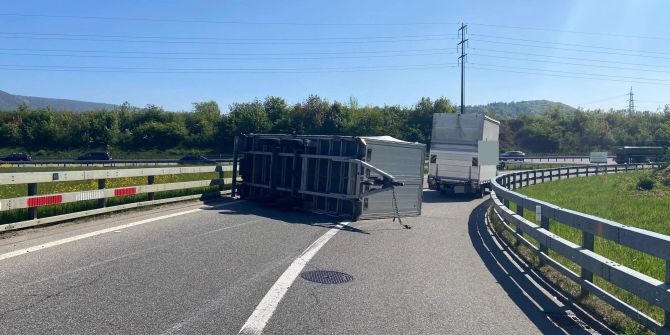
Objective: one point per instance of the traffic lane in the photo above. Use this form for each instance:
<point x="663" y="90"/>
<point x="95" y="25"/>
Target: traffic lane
<point x="37" y="264"/>
<point x="181" y="275"/>
<point x="425" y="280"/>
<point x="24" y="238"/>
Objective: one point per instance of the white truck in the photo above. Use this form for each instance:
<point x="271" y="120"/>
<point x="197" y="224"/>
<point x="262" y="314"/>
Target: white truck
<point x="463" y="153"/>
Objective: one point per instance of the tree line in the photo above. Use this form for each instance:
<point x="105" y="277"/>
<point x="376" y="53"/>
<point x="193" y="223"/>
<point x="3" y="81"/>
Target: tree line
<point x="207" y="128"/>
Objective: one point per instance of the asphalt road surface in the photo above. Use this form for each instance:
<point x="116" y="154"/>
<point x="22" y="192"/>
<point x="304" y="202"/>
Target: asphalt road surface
<point x="212" y="269"/>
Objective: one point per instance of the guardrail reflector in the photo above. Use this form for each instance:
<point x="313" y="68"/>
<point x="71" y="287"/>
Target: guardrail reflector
<point x="89" y="195"/>
<point x="119" y="192"/>
<point x="45" y="200"/>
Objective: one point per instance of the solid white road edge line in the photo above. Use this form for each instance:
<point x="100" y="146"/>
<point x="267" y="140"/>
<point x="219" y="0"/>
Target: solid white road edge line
<point x="103" y="231"/>
<point x="263" y="312"/>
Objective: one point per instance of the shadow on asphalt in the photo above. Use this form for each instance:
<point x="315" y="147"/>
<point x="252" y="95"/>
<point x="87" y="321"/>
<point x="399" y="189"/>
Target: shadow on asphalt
<point x="433" y="196"/>
<point x="285" y="215"/>
<point x="517" y="284"/>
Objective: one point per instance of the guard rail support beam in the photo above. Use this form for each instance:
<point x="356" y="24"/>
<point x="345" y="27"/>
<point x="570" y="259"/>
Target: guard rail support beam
<point x="587" y="243"/>
<point x="150" y="181"/>
<point x="32" y="211"/>
<point x="102" y="202"/>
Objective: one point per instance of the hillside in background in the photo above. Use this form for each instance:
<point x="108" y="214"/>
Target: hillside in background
<point x="513" y="109"/>
<point x="10" y="102"/>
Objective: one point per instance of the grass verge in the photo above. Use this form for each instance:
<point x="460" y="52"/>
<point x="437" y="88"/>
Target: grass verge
<point x="616" y="319"/>
<point x="615" y="197"/>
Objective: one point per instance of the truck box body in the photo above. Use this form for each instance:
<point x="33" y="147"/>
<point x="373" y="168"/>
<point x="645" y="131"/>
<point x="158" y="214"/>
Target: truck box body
<point x="463" y="153"/>
<point x="353" y="177"/>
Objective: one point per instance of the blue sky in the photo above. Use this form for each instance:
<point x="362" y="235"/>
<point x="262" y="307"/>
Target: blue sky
<point x="173" y="53"/>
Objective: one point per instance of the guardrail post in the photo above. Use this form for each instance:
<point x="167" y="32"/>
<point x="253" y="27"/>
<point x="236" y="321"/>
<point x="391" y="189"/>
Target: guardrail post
<point x="519" y="211"/>
<point x="587" y="243"/>
<point x="150" y="181"/>
<point x="102" y="202"/>
<point x="222" y="175"/>
<point x="527" y="178"/>
<point x="32" y="211"/>
<point x="544" y="223"/>
<point x="233" y="190"/>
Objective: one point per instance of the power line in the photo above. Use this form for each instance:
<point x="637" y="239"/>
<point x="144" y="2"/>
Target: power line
<point x="617" y="97"/>
<point x="288" y="23"/>
<point x="568" y="44"/>
<point x="229" y="38"/>
<point x="211" y="21"/>
<point x="227" y="57"/>
<point x="570" y="58"/>
<point x="572" y="49"/>
<point x="579" y="73"/>
<point x="569" y="63"/>
<point x="66" y="68"/>
<point x="498" y="68"/>
<point x="221" y="72"/>
<point x="225" y="42"/>
<point x="571" y="31"/>
<point x="232" y="53"/>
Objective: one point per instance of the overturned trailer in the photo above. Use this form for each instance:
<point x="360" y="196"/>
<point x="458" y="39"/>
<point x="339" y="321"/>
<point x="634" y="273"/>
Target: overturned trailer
<point x="353" y="177"/>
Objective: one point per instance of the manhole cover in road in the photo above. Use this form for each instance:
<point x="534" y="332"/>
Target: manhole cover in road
<point x="326" y="277"/>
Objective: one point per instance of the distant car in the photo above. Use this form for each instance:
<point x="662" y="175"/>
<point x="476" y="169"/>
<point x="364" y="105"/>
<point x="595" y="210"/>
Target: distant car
<point x="195" y="159"/>
<point x="16" y="157"/>
<point x="512" y="155"/>
<point x="96" y="156"/>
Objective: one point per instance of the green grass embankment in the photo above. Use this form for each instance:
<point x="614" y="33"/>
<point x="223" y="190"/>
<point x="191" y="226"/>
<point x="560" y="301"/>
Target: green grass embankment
<point x="617" y="198"/>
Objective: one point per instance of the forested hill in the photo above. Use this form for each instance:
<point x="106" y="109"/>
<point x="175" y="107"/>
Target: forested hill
<point x="514" y="109"/>
<point x="10" y="102"/>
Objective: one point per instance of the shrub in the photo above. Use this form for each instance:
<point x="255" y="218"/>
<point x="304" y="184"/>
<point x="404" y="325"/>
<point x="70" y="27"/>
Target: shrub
<point x="663" y="175"/>
<point x="645" y="183"/>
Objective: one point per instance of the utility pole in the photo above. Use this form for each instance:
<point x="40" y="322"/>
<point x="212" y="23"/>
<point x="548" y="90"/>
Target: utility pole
<point x="461" y="59"/>
<point x="631" y="101"/>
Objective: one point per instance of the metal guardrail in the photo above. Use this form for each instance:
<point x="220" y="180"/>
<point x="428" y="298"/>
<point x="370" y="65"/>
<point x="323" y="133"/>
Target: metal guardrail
<point x="117" y="162"/>
<point x="32" y="201"/>
<point x="649" y="289"/>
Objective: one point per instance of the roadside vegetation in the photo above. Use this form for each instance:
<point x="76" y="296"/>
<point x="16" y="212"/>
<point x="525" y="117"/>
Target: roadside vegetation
<point x="639" y="199"/>
<point x="152" y="132"/>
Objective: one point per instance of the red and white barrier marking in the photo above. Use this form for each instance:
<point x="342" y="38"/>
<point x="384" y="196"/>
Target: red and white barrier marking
<point x="89" y="195"/>
<point x="119" y="192"/>
<point x="45" y="200"/>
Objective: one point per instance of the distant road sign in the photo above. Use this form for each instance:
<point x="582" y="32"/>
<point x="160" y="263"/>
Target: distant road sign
<point x="599" y="157"/>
